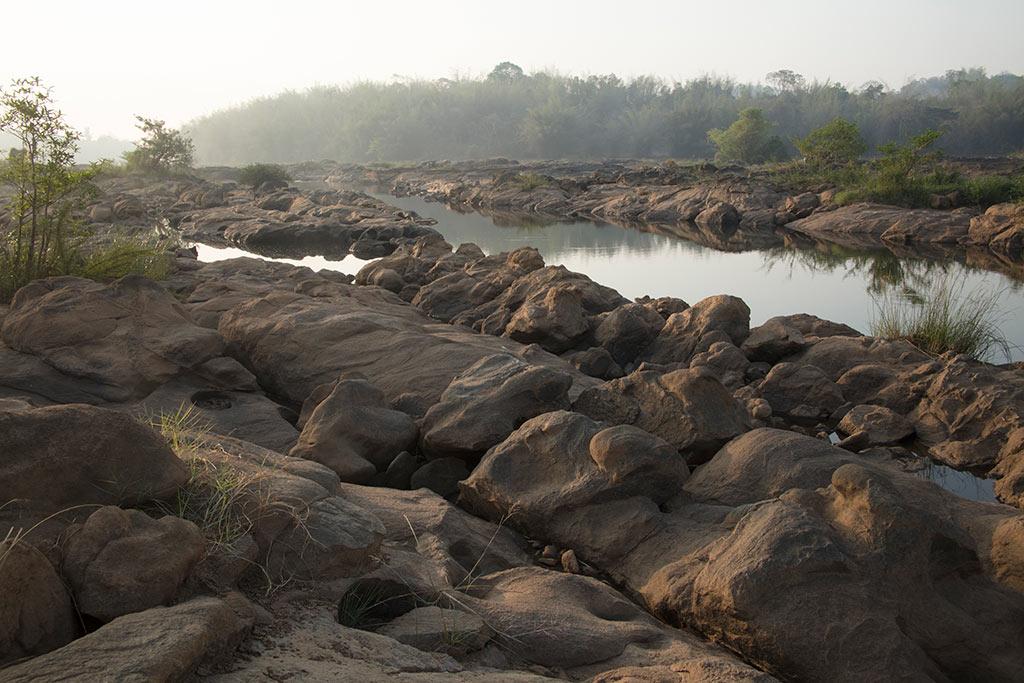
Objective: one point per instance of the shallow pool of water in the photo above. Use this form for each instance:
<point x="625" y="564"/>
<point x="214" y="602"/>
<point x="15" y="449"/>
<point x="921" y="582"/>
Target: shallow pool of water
<point x="830" y="282"/>
<point x="963" y="484"/>
<point x="350" y="264"/>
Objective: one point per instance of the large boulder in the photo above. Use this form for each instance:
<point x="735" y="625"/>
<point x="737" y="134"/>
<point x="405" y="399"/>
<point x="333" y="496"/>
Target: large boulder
<point x="435" y="629"/>
<point x="123" y="561"/>
<point x="354" y="432"/>
<point x="628" y="330"/>
<point x="159" y="644"/>
<point x="689" y="409"/>
<point x="878" y="425"/>
<point x="36" y="613"/>
<point x="717" y="318"/>
<point x="294" y="343"/>
<point x="487" y="402"/>
<point x="553" y="318"/>
<point x="603" y="488"/>
<point x="118" y="342"/>
<point x="802" y="393"/>
<point x="773" y="341"/>
<point x="778" y="539"/>
<point x="1001" y="228"/>
<point x="62" y="456"/>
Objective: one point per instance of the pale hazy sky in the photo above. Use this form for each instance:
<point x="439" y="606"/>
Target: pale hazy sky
<point x="111" y="59"/>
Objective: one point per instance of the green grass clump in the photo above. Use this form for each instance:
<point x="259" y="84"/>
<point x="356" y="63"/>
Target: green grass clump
<point x="531" y="181"/>
<point x="946" y="318"/>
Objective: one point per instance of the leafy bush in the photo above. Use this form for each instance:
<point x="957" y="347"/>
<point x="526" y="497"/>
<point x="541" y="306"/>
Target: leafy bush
<point x="993" y="189"/>
<point x="835" y="144"/>
<point x="531" y="181"/>
<point x="748" y="140"/>
<point x="254" y="175"/>
<point x="944" y="319"/>
<point x="39" y="235"/>
<point x="161" y="150"/>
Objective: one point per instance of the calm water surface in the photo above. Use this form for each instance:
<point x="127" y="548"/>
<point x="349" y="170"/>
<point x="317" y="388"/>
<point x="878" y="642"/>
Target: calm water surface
<point x="836" y="284"/>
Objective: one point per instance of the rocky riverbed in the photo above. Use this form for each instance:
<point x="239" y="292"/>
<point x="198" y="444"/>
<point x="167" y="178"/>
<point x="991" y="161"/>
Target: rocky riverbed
<point x="730" y="208"/>
<point x="463" y="466"/>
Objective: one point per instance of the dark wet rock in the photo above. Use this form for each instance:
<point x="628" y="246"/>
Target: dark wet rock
<point x="36" y="613"/>
<point x="62" y="456"/>
<point x="354" y="432"/>
<point x="487" y="402"/>
<point x="442" y="476"/>
<point x="123" y="561"/>
<point x="400" y="471"/>
<point x="689" y="409"/>
<point x="595" y="362"/>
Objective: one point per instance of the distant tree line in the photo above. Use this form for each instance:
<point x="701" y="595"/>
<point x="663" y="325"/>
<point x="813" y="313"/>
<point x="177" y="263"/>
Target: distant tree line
<point x="548" y="115"/>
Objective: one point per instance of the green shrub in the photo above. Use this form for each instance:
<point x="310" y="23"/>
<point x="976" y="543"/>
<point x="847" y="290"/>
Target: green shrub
<point x="944" y="319"/>
<point x="748" y="140"/>
<point x="254" y="175"/>
<point x="987" y="190"/>
<point x="531" y="181"/>
<point x="161" y="150"/>
<point x="835" y="144"/>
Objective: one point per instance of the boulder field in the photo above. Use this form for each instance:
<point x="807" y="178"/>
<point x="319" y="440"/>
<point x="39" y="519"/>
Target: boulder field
<point x="470" y="467"/>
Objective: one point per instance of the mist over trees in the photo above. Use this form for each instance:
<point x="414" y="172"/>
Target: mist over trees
<point x="549" y="115"/>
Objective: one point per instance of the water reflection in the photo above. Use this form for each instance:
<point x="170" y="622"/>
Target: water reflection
<point x="963" y="484"/>
<point x="349" y="264"/>
<point x="793" y="275"/>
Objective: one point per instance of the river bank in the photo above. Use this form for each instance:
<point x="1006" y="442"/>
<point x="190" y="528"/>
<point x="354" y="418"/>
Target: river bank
<point x="485" y="467"/>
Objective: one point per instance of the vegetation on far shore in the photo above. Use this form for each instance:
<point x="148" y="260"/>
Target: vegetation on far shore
<point x="546" y="115"/>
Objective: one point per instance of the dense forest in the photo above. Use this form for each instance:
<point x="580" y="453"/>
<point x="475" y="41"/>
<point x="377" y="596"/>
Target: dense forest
<point x="548" y="115"/>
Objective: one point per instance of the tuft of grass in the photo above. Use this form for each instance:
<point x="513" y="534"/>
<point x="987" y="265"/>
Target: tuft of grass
<point x="184" y="428"/>
<point x="945" y="318"/>
<point x="126" y="256"/>
<point x="531" y="181"/>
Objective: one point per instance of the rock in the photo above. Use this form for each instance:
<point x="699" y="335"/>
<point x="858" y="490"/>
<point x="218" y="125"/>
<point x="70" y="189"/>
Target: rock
<point x="553" y="318"/>
<point x="595" y="362"/>
<point x="801" y="392"/>
<point x="433" y="629"/>
<point x="569" y="562"/>
<point x="777" y="539"/>
<point x="123" y="561"/>
<point x="628" y="330"/>
<point x="726" y="362"/>
<point x="160" y="644"/>
<point x="442" y="476"/>
<point x="883" y="426"/>
<point x="36" y="613"/>
<point x="484" y="404"/>
<point x="689" y="409"/>
<point x="1001" y="228"/>
<point x="811" y="326"/>
<point x="388" y="279"/>
<point x="118" y="342"/>
<point x="683" y="332"/>
<point x="868" y="225"/>
<point x="773" y="341"/>
<point x="62" y="456"/>
<point x="567" y="472"/>
<point x="354" y="432"/>
<point x="400" y="471"/>
<point x="294" y="343"/>
<point x="584" y="627"/>
<point x="720" y="218"/>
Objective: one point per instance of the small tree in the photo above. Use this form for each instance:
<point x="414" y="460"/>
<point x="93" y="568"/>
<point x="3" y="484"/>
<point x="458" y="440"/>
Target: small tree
<point x="40" y="237"/>
<point x="161" y="149"/>
<point x="748" y="140"/>
<point x="506" y="71"/>
<point x="834" y="144"/>
<point x="254" y="175"/>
